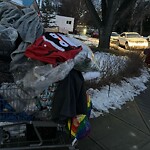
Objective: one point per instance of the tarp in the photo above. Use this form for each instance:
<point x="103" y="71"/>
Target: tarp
<point x="25" y="3"/>
<point x="7" y="113"/>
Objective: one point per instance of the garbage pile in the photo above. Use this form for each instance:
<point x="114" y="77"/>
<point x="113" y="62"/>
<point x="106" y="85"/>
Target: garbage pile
<point x="47" y="71"/>
<point x="41" y="63"/>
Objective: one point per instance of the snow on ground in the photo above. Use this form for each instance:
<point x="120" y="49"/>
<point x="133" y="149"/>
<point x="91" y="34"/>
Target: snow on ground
<point x="87" y="40"/>
<point x="113" y="96"/>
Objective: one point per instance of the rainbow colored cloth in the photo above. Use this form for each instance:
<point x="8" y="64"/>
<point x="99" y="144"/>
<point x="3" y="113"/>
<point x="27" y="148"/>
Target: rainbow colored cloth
<point x="79" y="125"/>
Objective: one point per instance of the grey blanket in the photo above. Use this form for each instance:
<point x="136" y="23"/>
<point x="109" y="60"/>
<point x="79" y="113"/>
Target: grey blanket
<point x="8" y="37"/>
<point x="26" y="21"/>
<point x="27" y="24"/>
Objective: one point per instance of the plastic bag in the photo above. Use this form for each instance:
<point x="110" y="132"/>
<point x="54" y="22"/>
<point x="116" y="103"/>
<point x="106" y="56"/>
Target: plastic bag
<point x="40" y="77"/>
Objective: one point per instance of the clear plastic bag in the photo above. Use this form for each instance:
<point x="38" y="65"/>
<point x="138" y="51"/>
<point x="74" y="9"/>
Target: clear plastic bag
<point x="40" y="77"/>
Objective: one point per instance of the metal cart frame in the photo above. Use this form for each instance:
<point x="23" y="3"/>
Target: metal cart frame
<point x="24" y="145"/>
<point x="62" y="139"/>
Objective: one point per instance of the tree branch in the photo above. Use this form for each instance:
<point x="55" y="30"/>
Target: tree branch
<point x="94" y="13"/>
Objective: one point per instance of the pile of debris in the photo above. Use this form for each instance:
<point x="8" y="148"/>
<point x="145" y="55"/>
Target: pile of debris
<point x="39" y="61"/>
<point x="18" y="29"/>
<point x="46" y="80"/>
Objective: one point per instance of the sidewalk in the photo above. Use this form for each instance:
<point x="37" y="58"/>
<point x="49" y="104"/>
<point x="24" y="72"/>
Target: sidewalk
<point x="124" y="129"/>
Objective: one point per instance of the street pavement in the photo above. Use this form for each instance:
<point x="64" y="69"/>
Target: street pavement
<point x="127" y="128"/>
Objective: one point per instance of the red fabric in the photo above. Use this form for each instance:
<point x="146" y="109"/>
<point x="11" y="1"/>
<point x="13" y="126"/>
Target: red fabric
<point x="44" y="51"/>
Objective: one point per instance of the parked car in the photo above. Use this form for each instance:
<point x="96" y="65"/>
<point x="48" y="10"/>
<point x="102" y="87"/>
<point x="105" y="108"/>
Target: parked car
<point x="114" y="37"/>
<point x="132" y="40"/>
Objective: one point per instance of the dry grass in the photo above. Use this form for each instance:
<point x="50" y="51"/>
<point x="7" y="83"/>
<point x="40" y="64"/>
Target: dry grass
<point x="132" y="68"/>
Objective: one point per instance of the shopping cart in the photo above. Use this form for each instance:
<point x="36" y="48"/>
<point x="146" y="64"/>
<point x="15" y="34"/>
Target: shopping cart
<point x="20" y="130"/>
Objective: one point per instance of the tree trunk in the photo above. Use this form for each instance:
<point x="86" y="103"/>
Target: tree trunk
<point x="95" y="16"/>
<point x="141" y="27"/>
<point x="94" y="13"/>
<point x="104" y="26"/>
<point x="107" y="26"/>
<point x="104" y="39"/>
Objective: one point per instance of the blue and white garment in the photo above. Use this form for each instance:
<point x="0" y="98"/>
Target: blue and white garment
<point x="46" y="97"/>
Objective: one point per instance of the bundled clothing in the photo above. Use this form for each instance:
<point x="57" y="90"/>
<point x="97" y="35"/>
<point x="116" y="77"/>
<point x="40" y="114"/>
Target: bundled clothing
<point x="50" y="60"/>
<point x="45" y="66"/>
<point x="52" y="48"/>
<point x="18" y="29"/>
<point x="8" y="38"/>
<point x="70" y="96"/>
<point x="26" y="21"/>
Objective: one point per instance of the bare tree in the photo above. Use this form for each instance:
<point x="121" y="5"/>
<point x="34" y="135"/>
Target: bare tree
<point x="133" y="17"/>
<point x="143" y="6"/>
<point x="73" y="8"/>
<point x="111" y="10"/>
<point x="48" y="9"/>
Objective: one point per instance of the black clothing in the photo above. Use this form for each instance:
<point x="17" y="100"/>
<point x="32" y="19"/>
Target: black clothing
<point x="70" y="97"/>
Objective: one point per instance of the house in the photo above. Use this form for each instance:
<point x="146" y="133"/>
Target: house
<point x="64" y="23"/>
<point x="61" y="24"/>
